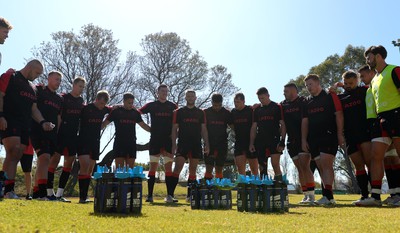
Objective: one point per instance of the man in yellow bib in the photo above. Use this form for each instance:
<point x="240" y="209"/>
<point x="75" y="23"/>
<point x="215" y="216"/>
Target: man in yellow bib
<point x="385" y="98"/>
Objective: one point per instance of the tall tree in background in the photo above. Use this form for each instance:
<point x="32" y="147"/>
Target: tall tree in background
<point x="330" y="71"/>
<point x="93" y="54"/>
<point x="169" y="59"/>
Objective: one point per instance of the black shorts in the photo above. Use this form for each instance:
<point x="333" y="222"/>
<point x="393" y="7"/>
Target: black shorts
<point x="191" y="151"/>
<point x="160" y="145"/>
<point x="390" y="122"/>
<point x="91" y="148"/>
<point x="123" y="149"/>
<point x="243" y="149"/>
<point x="217" y="156"/>
<point x="43" y="145"/>
<point x="294" y="148"/>
<point x="15" y="130"/>
<point x="377" y="130"/>
<point x="26" y="162"/>
<point x="326" y="144"/>
<point x="67" y="145"/>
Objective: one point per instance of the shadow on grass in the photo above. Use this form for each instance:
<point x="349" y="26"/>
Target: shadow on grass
<point x="175" y="204"/>
<point x="116" y="215"/>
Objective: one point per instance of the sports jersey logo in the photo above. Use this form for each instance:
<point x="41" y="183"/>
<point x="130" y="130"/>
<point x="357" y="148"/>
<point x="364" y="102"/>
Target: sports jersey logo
<point x="74" y="111"/>
<point x="52" y="104"/>
<point x="27" y="94"/>
<point x="125" y="121"/>
<point x="191" y="120"/>
<point x="290" y="110"/>
<point x="217" y="123"/>
<point x="266" y="118"/>
<point x="241" y="120"/>
<point x="163" y="114"/>
<point x="317" y="109"/>
<point x="352" y="104"/>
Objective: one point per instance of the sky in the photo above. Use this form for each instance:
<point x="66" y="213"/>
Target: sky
<point x="261" y="42"/>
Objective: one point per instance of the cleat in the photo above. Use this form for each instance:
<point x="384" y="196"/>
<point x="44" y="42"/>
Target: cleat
<point x="52" y="198"/>
<point x="11" y="195"/>
<point x="304" y="201"/>
<point x="395" y="199"/>
<point x="44" y="199"/>
<point x="370" y="201"/>
<point x="311" y="200"/>
<point x="149" y="199"/>
<point x="63" y="199"/>
<point x="87" y="201"/>
<point x="388" y="200"/>
<point x="28" y="197"/>
<point x="322" y="201"/>
<point x="331" y="202"/>
<point x="170" y="199"/>
<point x="357" y="201"/>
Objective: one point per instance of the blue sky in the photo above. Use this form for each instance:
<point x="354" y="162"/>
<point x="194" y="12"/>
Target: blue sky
<point x="262" y="43"/>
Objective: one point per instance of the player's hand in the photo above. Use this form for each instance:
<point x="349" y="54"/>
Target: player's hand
<point x="252" y="149"/>
<point x="48" y="126"/>
<point x="342" y="141"/>
<point x="304" y="146"/>
<point x="206" y="149"/>
<point x="3" y="123"/>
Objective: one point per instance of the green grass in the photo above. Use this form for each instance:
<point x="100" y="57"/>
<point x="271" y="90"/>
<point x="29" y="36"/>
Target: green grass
<point x="36" y="216"/>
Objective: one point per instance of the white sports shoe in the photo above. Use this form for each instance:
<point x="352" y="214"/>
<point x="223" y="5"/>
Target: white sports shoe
<point x="170" y="199"/>
<point x="370" y="201"/>
<point x="305" y="200"/>
<point x="11" y="195"/>
<point x="322" y="201"/>
<point x="311" y="200"/>
<point x="357" y="201"/>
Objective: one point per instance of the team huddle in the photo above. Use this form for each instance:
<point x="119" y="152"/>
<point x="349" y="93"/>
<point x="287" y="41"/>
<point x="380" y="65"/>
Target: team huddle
<point x="364" y="121"/>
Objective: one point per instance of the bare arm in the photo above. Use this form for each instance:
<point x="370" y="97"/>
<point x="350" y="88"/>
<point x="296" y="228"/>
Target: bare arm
<point x="253" y="134"/>
<point x="145" y="126"/>
<point x="281" y="145"/>
<point x="204" y="135"/>
<point x="3" y="121"/>
<point x="340" y="125"/>
<point x="105" y="123"/>
<point x="174" y="135"/>
<point x="37" y="116"/>
<point x="304" y="134"/>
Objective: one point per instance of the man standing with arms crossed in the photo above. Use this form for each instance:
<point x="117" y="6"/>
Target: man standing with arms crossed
<point x="17" y="108"/>
<point x="218" y="119"/>
<point x="322" y="131"/>
<point x="293" y="107"/>
<point x="189" y="127"/>
<point x="385" y="99"/>
<point x="161" y="112"/>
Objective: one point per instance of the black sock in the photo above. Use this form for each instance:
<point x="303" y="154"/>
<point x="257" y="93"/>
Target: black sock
<point x="150" y="185"/>
<point x="168" y="184"/>
<point x="83" y="188"/>
<point x="42" y="190"/>
<point x="63" y="179"/>
<point x="174" y="183"/>
<point x="390" y="177"/>
<point x="362" y="180"/>
<point x="50" y="179"/>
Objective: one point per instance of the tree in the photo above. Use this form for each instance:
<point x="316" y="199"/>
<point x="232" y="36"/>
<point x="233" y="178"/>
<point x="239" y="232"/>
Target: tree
<point x="169" y="59"/>
<point x="330" y="71"/>
<point x="93" y="54"/>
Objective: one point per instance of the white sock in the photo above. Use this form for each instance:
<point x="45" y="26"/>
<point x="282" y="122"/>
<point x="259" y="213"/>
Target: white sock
<point x="50" y="192"/>
<point x="60" y="192"/>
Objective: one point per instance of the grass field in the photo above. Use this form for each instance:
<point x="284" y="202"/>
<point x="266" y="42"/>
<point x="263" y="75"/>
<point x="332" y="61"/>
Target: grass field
<point x="36" y="216"/>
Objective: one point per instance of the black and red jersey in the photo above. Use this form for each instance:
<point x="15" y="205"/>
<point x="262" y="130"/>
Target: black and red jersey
<point x="267" y="118"/>
<point x="217" y="123"/>
<point x="354" y="111"/>
<point x="242" y="122"/>
<point x="293" y="115"/>
<point x="19" y="98"/>
<point x="49" y="104"/>
<point x="125" y="123"/>
<point x="189" y="121"/>
<point x="161" y="115"/>
<point x="91" y="120"/>
<point x="70" y="115"/>
<point x="320" y="111"/>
